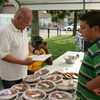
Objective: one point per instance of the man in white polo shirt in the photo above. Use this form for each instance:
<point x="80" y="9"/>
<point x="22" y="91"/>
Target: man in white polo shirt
<point x="14" y="48"/>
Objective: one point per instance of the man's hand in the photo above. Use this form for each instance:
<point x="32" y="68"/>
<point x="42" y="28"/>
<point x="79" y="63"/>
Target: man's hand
<point x="28" y="61"/>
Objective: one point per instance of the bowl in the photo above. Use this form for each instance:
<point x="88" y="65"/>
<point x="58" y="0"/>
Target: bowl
<point x="55" y="78"/>
<point x="60" y="95"/>
<point x="21" y="87"/>
<point x="31" y="78"/>
<point x="70" y="59"/>
<point x="43" y="73"/>
<point x="68" y="86"/>
<point x="7" y="94"/>
<point x="34" y="94"/>
<point x="46" y="85"/>
<point x="32" y="83"/>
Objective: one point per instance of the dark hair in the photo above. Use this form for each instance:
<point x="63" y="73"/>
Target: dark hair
<point x="92" y="18"/>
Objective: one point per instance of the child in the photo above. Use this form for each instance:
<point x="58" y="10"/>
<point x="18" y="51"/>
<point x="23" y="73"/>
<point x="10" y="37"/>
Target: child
<point x="89" y="74"/>
<point x="43" y="48"/>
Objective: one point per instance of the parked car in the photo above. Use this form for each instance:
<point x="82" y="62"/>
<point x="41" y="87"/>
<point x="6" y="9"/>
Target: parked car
<point x="70" y="27"/>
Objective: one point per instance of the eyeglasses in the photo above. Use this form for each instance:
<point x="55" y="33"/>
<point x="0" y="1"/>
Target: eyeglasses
<point x="24" y="21"/>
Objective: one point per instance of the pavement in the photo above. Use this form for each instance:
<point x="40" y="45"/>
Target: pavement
<point x="44" y="33"/>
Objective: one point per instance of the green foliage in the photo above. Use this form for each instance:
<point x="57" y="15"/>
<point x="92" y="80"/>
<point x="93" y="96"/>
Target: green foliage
<point x="81" y="12"/>
<point x="58" y="15"/>
<point x="3" y="1"/>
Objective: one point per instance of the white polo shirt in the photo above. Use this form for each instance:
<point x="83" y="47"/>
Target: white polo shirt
<point x="15" y="43"/>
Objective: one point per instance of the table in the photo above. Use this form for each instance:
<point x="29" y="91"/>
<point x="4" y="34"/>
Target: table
<point x="59" y="64"/>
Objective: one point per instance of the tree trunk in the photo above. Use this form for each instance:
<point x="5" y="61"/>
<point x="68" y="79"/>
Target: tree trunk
<point x="34" y="24"/>
<point x="75" y="23"/>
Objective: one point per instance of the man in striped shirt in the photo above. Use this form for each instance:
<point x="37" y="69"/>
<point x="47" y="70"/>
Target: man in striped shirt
<point x="89" y="75"/>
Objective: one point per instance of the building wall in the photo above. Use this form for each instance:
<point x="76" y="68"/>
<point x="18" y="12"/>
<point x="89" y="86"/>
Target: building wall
<point x="9" y="10"/>
<point x="43" y="14"/>
<point x="44" y="18"/>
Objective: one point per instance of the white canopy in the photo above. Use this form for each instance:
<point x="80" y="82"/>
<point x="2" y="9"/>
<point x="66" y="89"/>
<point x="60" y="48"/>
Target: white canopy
<point x="57" y="4"/>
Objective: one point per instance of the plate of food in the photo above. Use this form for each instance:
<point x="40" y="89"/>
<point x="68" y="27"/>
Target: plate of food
<point x="8" y="94"/>
<point x="59" y="95"/>
<point x="46" y="85"/>
<point x="56" y="72"/>
<point x="67" y="85"/>
<point x="21" y="87"/>
<point x="70" y="75"/>
<point x="43" y="73"/>
<point x="32" y="83"/>
<point x="34" y="94"/>
<point x="55" y="78"/>
<point x="31" y="78"/>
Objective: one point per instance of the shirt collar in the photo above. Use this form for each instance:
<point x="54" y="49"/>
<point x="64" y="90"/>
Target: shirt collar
<point x="90" y="44"/>
<point x="15" y="29"/>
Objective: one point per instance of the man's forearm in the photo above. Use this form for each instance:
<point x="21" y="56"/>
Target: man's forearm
<point x="11" y="59"/>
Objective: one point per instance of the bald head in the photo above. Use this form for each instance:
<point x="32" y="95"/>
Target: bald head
<point x="24" y="12"/>
<point x="23" y="18"/>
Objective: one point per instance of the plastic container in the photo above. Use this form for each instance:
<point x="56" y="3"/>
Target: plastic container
<point x="34" y="94"/>
<point x="46" y="85"/>
<point x="55" y="78"/>
<point x="43" y="73"/>
<point x="59" y="95"/>
<point x="7" y="94"/>
<point x="21" y="87"/>
<point x="31" y="78"/>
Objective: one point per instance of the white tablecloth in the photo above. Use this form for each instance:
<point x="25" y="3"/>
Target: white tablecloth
<point x="60" y="64"/>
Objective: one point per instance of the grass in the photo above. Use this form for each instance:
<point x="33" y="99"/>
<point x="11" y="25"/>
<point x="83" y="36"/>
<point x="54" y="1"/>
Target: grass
<point x="59" y="45"/>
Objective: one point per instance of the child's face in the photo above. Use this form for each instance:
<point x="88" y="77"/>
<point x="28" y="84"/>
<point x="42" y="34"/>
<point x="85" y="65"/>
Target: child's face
<point x="86" y="31"/>
<point x="38" y="45"/>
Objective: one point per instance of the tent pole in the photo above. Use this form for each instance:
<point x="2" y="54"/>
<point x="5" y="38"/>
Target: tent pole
<point x="84" y="5"/>
<point x="18" y="4"/>
<point x="84" y="12"/>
